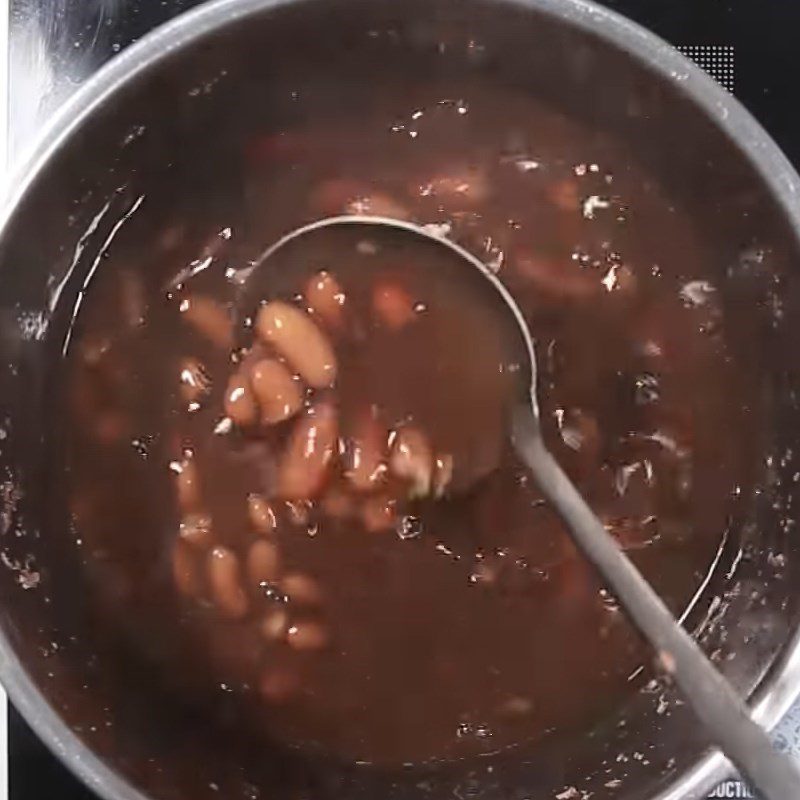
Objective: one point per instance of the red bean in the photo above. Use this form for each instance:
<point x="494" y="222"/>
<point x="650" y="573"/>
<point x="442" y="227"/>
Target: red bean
<point x="279" y="685"/>
<point x="621" y="281"/>
<point x="392" y="305"/>
<point x="558" y="279"/>
<point x="133" y="303"/>
<point x="93" y="350"/>
<point x="225" y="582"/>
<point x="187" y="485"/>
<point x="366" y="453"/>
<point x="194" y="380"/>
<point x="325" y="298"/>
<point x="279" y="394"/>
<point x="299" y="512"/>
<point x="347" y="196"/>
<point x="580" y="432"/>
<point x="275" y="624"/>
<point x="240" y="403"/>
<point x="337" y="504"/>
<point x="307" y="635"/>
<point x="516" y="706"/>
<point x="302" y="589"/>
<point x="210" y="319"/>
<point x="564" y="195"/>
<point x="263" y="562"/>
<point x="378" y="204"/>
<point x="334" y="195"/>
<point x="379" y="514"/>
<point x="411" y="460"/>
<point x="111" y="427"/>
<point x="465" y="186"/>
<point x="309" y="452"/>
<point x="185" y="570"/>
<point x="262" y="515"/>
<point x="295" y="336"/>
<point x="442" y="474"/>
<point x="196" y="530"/>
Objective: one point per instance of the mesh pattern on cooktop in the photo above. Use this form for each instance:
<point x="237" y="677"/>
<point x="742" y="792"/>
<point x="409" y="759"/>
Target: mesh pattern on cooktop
<point x="716" y="59"/>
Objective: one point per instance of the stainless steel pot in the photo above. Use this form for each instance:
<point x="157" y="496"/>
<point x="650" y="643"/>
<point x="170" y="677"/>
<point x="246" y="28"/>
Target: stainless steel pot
<point x="103" y="715"/>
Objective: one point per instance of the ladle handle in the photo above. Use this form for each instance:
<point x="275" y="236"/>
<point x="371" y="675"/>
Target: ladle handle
<point x="726" y="717"/>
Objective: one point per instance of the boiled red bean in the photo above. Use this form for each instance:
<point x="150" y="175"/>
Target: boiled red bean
<point x="442" y="474"/>
<point x="294" y="336"/>
<point x="275" y="624"/>
<point x="187" y="485"/>
<point x="325" y="298"/>
<point x="195" y="381"/>
<point x="621" y="281"/>
<point x="263" y="562"/>
<point x="196" y="530"/>
<point x="94" y="349"/>
<point x="299" y="512"/>
<point x="110" y="427"/>
<point x="564" y="195"/>
<point x="240" y="403"/>
<point x="378" y="514"/>
<point x="186" y="570"/>
<point x="210" y="319"/>
<point x="278" y="392"/>
<point x="393" y="305"/>
<point x="334" y="195"/>
<point x="411" y="460"/>
<point x="262" y="515"/>
<point x="133" y="303"/>
<point x="378" y="204"/>
<point x="516" y="706"/>
<point x="301" y="588"/>
<point x="465" y="187"/>
<point x="308" y="455"/>
<point x="580" y="432"/>
<point x="279" y="684"/>
<point x="307" y="635"/>
<point x="366" y="453"/>
<point x="225" y="582"/>
<point x="558" y="279"/>
<point x="337" y="504"/>
<point x="347" y="196"/>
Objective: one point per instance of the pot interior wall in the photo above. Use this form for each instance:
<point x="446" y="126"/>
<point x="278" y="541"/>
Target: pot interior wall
<point x="167" y="134"/>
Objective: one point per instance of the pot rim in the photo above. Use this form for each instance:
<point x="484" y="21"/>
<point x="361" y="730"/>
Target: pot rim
<point x="779" y="688"/>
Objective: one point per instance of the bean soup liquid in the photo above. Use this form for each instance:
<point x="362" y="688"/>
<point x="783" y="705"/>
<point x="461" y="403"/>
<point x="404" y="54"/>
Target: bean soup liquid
<point x="314" y="509"/>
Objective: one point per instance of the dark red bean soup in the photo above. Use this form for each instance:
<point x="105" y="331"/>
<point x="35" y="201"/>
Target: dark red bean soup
<point x="312" y="515"/>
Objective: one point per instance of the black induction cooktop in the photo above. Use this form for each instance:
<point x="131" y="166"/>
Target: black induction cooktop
<point x="748" y="45"/>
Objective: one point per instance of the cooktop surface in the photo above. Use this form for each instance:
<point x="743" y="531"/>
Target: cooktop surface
<point x="54" y="45"/>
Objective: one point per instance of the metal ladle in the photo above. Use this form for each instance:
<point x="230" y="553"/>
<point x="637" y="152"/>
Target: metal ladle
<point x="721" y="710"/>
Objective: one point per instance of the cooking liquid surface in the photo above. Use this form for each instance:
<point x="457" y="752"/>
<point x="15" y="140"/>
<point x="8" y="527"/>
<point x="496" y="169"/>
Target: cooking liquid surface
<point x="432" y="607"/>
